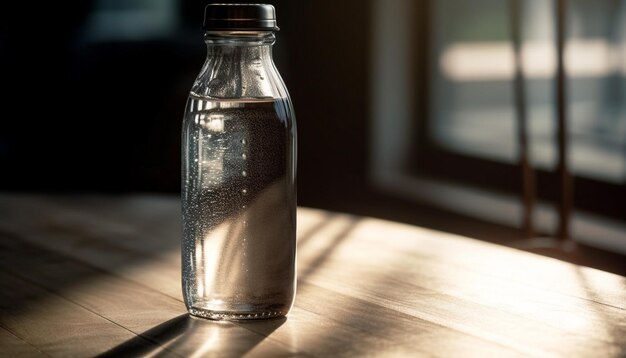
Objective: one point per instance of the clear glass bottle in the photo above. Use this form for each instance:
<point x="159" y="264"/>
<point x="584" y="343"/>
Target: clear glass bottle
<point x="238" y="173"/>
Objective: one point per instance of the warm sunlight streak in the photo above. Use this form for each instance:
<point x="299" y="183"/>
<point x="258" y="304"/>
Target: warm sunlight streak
<point x="309" y="222"/>
<point x="365" y="287"/>
<point x="211" y="337"/>
<point x="552" y="295"/>
<point x="315" y="247"/>
<point x="491" y="61"/>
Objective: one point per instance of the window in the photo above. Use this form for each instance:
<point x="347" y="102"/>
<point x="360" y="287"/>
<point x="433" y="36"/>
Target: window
<point x="453" y="116"/>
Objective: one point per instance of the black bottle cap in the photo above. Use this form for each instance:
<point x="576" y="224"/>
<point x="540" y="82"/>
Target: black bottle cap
<point x="232" y="17"/>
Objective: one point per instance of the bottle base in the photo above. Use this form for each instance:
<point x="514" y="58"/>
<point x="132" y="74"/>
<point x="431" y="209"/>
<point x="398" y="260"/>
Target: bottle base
<point x="235" y="316"/>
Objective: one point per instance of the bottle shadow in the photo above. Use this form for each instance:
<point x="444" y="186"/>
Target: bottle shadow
<point x="186" y="336"/>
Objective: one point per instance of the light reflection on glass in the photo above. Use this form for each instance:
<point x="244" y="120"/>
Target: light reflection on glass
<point x="214" y="122"/>
<point x="211" y="151"/>
<point x="209" y="261"/>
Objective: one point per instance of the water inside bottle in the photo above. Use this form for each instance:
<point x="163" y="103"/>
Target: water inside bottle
<point x="238" y="208"/>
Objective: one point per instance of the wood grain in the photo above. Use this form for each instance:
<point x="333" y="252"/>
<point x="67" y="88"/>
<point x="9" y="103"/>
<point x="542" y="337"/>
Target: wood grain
<point x="12" y="346"/>
<point x="366" y="287"/>
<point x="53" y="324"/>
<point x="156" y="319"/>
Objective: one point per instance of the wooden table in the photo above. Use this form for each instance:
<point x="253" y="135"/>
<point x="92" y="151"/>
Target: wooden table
<point x="85" y="275"/>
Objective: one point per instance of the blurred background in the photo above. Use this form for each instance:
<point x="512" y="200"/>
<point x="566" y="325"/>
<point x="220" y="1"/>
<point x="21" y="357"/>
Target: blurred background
<point x="440" y="113"/>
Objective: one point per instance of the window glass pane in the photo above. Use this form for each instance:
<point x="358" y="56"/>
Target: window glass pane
<point x="597" y="99"/>
<point x="472" y="108"/>
<point x="472" y="68"/>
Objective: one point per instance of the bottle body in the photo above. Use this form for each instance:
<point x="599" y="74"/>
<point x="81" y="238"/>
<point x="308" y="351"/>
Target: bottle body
<point x="238" y="186"/>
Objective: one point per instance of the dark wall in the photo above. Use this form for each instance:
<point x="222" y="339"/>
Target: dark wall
<point x="105" y="116"/>
<point x="328" y="77"/>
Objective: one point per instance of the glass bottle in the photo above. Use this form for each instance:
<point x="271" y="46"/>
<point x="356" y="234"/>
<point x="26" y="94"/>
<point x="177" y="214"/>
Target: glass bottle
<point x="238" y="173"/>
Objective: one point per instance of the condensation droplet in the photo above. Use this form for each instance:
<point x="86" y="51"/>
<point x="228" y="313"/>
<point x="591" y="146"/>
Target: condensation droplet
<point x="243" y="141"/>
<point x="244" y="173"/>
<point x="244" y="191"/>
<point x="244" y="156"/>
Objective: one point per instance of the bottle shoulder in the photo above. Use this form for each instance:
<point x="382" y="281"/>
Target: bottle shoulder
<point x="240" y="73"/>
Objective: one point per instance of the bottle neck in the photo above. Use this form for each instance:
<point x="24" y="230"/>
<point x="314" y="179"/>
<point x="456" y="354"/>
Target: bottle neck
<point x="239" y="65"/>
<point x="239" y="38"/>
<point x="240" y="45"/>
